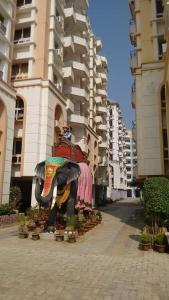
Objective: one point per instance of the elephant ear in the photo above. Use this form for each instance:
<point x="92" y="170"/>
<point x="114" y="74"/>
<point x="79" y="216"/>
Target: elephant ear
<point x="40" y="170"/>
<point x="68" y="173"/>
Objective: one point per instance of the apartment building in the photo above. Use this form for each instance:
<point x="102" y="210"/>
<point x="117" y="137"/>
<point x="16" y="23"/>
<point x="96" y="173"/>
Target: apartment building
<point x="116" y="135"/>
<point x="131" y="164"/>
<point x="98" y="105"/>
<point x="147" y="34"/>
<point x="76" y="78"/>
<point x="55" y="76"/>
<point x="41" y="108"/>
<point x="7" y="97"/>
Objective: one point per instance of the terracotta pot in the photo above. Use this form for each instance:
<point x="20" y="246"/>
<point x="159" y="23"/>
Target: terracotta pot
<point x="160" y="248"/>
<point x="23" y="235"/>
<point x="59" y="238"/>
<point x="81" y="231"/>
<point x="145" y="247"/>
<point x="35" y="236"/>
<point x="71" y="239"/>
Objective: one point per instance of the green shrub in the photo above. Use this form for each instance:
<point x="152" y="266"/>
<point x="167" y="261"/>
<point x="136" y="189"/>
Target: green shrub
<point x="15" y="197"/>
<point x="160" y="239"/>
<point x="5" y="209"/>
<point x="145" y="238"/>
<point x="156" y="200"/>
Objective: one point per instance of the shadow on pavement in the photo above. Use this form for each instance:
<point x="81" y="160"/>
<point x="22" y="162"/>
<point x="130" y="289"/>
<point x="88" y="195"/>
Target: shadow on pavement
<point x="129" y="212"/>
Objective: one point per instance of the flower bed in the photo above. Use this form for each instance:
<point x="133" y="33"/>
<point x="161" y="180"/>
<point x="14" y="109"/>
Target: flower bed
<point x="8" y="219"/>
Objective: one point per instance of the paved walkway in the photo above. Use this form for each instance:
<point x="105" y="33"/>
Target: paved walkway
<point x="104" y="264"/>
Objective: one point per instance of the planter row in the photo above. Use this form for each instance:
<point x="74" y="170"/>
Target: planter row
<point x="9" y="219"/>
<point x="156" y="247"/>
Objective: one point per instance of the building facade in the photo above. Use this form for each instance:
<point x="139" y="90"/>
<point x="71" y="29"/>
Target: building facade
<point x="117" y="188"/>
<point x="56" y="77"/>
<point x="147" y="34"/>
<point x="7" y="97"/>
<point x="131" y="164"/>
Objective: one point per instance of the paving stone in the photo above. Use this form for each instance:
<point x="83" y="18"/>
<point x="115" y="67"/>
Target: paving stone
<point x="105" y="264"/>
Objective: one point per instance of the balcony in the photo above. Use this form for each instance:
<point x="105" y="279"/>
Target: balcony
<point x="98" y="99"/>
<point x="102" y="92"/>
<point x="68" y="43"/>
<point x="25" y="6"/>
<point x="133" y="94"/>
<point x="98" y="119"/>
<point x="2" y="28"/>
<point x="22" y="41"/>
<point x="68" y="73"/>
<point x="78" y="119"/>
<point x="102" y="127"/>
<point x="102" y="161"/>
<point x="77" y="92"/>
<point x="58" y="53"/>
<point x="98" y="45"/>
<point x="133" y="61"/>
<point x="104" y="61"/>
<point x="79" y="68"/>
<point x="132" y="7"/>
<point x="132" y="30"/>
<point x="102" y="109"/>
<point x="103" y="76"/>
<point x="98" y="81"/>
<point x="59" y="24"/>
<point x="103" y="145"/>
<point x="77" y="16"/>
<point x="80" y="43"/>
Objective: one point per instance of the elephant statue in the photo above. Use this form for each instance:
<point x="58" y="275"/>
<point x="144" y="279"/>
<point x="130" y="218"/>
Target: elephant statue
<point x="63" y="184"/>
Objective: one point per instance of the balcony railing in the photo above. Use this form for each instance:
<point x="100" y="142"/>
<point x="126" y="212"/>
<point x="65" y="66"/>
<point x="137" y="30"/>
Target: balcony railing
<point x="16" y="159"/>
<point x="2" y="28"/>
<point x="22" y="40"/>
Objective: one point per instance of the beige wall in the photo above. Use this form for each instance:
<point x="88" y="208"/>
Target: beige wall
<point x="7" y="112"/>
<point x="40" y="65"/>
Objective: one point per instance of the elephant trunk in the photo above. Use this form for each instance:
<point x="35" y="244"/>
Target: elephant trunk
<point x="38" y="195"/>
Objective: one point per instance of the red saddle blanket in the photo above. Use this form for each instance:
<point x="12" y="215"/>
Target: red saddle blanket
<point x="65" y="148"/>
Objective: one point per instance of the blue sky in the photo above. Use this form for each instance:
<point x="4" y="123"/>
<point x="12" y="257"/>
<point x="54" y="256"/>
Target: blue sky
<point x="110" y="22"/>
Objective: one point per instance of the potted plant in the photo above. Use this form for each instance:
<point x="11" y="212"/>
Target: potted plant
<point x="35" y="234"/>
<point x="22" y="231"/>
<point x="71" y="229"/>
<point x="145" y="241"/>
<point x="161" y="242"/>
<point x="59" y="233"/>
<point x="99" y="217"/>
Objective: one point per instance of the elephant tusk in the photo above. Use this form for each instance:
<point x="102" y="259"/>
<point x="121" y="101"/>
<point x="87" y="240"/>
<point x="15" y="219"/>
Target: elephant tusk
<point x="54" y="196"/>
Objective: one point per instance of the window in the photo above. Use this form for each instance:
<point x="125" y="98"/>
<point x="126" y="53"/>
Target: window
<point x="20" y="71"/>
<point x="17" y="150"/>
<point x="161" y="42"/>
<point x="159" y="8"/>
<point x="19" y="109"/>
<point x="22" y="35"/>
<point x="23" y="2"/>
<point x="2" y="26"/>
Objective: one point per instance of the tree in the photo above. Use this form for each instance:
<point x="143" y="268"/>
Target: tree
<point x="15" y="197"/>
<point x="156" y="200"/>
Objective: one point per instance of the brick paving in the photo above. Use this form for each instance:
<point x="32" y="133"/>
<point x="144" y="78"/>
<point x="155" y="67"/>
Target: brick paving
<point x="105" y="264"/>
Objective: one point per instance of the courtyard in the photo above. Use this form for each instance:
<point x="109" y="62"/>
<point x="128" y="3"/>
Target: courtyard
<point x="104" y="264"/>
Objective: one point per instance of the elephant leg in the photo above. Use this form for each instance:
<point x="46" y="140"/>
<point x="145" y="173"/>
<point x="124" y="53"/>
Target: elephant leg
<point x="52" y="216"/>
<point x="70" y="208"/>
